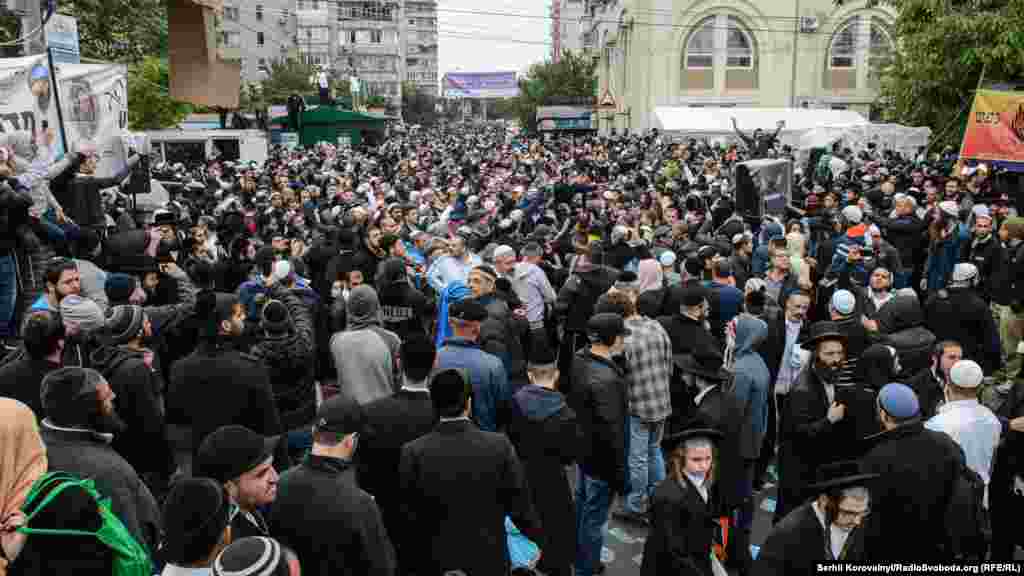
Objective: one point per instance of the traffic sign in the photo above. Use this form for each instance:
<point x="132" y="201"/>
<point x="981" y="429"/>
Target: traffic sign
<point x="607" y="100"/>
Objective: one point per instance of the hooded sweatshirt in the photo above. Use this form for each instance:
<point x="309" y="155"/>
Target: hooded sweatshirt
<point x="366" y="356"/>
<point x="752" y="382"/>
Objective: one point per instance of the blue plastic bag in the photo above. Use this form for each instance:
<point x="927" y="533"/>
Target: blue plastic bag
<point x="522" y="552"/>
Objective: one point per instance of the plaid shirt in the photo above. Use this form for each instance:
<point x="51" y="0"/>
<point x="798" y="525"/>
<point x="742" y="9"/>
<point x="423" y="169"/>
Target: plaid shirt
<point x="649" y="357"/>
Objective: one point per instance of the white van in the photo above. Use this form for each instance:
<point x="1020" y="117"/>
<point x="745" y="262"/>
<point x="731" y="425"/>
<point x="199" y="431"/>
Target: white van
<point x="192" y="147"/>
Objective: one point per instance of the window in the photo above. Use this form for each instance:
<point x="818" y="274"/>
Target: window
<point x="348" y="36"/>
<point x="375" y="36"/>
<point x="412" y="21"/>
<point x="739" y="47"/>
<point x="700" y="49"/>
<point x="316" y="4"/>
<point x="259" y="38"/>
<point x="231" y="39"/>
<point x="231" y="13"/>
<point x="880" y="46"/>
<point x="263" y="64"/>
<point x="259" y="12"/>
<point x="302" y="4"/>
<point x="843" y="51"/>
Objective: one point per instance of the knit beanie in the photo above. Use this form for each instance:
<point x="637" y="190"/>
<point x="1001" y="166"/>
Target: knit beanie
<point x="119" y="287"/>
<point x="275" y="318"/>
<point x="124" y="323"/>
<point x="83" y="312"/>
<point x="194" y="517"/>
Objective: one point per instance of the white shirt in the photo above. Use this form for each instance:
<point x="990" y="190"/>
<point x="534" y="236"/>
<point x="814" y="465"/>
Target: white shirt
<point x="975" y="428"/>
<point x="321" y="79"/>
<point x="837" y="536"/>
<point x="172" y="570"/>
<point x="700" y="483"/>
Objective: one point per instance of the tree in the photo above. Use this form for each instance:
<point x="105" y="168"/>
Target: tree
<point x="945" y="46"/>
<point x="286" y="77"/>
<point x="571" y="77"/>
<point x="418" y="107"/>
<point x="120" y="30"/>
<point x="150" y="106"/>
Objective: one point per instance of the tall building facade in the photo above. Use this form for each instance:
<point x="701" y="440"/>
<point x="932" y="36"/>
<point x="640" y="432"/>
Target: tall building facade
<point x="421" y="44"/>
<point x="258" y="33"/>
<point x="370" y="45"/>
<point x="735" y="53"/>
<point x="566" y="26"/>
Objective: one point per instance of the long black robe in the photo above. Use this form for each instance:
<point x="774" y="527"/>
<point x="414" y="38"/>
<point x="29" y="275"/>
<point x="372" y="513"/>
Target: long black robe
<point x="797" y="544"/>
<point x="682" y="530"/>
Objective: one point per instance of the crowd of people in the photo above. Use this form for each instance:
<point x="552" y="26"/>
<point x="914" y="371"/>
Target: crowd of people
<point x="428" y="356"/>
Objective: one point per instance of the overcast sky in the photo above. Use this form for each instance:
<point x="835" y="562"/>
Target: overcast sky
<point x="489" y="49"/>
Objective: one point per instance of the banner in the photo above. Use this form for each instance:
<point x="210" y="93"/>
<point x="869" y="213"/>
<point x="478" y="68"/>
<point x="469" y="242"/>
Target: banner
<point x="94" y="100"/>
<point x="480" y="85"/>
<point x="27" y="100"/>
<point x="995" y="129"/>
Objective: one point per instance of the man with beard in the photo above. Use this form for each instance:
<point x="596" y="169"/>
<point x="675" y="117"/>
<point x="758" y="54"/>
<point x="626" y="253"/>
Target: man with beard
<point x="217" y="384"/>
<point x="983" y="250"/>
<point x="809" y="435"/>
<point x="243" y="462"/>
<point x="833" y="518"/>
<point x="62" y="279"/>
<point x="371" y="255"/>
<point x="79" y="425"/>
<point x="128" y="365"/>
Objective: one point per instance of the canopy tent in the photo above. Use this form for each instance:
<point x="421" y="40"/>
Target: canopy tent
<point x="715" y="124"/>
<point x="903" y="139"/>
<point x="336" y="126"/>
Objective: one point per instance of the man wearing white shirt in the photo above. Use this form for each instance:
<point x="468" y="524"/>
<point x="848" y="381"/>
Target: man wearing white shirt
<point x="325" y="87"/>
<point x="973" y="426"/>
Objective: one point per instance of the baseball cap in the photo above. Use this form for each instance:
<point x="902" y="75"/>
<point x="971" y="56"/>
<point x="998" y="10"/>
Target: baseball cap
<point x="341" y="415"/>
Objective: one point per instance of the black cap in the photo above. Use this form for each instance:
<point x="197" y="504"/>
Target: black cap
<point x="230" y="451"/>
<point x="341" y="415"/>
<point x="194" y="517"/>
<point x="64" y="393"/>
<point x="468" y="310"/>
<point x="839" y="475"/>
<point x="542" y="354"/>
<point x="694" y="295"/>
<point x="606" y="326"/>
<point x="252" y="556"/>
<point x="450" y="387"/>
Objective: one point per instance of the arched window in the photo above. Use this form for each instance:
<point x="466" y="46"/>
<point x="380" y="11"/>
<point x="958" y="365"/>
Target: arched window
<point x="881" y="46"/>
<point x="700" y="50"/>
<point x="723" y="35"/>
<point x="843" y="51"/>
<point x="861" y="36"/>
<point x="739" y="46"/>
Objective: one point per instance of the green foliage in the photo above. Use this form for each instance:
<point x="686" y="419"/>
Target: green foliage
<point x="571" y="77"/>
<point x="945" y="45"/>
<point x="149" y="105"/>
<point x="376" y="101"/>
<point x="418" y="107"/>
<point x="120" y="30"/>
<point x="286" y="77"/>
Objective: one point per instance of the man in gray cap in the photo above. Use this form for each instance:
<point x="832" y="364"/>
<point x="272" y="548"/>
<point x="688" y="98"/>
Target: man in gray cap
<point x="366" y="355"/>
<point x="79" y="426"/>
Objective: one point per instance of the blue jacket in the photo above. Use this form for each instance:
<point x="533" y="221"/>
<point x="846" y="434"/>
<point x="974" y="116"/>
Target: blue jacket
<point x="751" y="382"/>
<point x="491" y="395"/>
<point x="941" y="260"/>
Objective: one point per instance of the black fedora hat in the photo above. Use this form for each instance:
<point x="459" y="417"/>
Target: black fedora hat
<point x="705" y="364"/>
<point x="839" y="475"/>
<point x="821" y="331"/>
<point x="670" y="441"/>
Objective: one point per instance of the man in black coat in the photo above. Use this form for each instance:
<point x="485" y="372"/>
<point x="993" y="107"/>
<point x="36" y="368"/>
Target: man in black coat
<point x="688" y="328"/>
<point x="43" y="337"/>
<point x="826" y="529"/>
<point x="392" y="422"/>
<point x="320" y="512"/>
<point x="960" y="313"/>
<point x="905" y="453"/>
<point x="458" y="484"/>
<point x="546" y="436"/>
<point x="928" y="384"/>
<point x="809" y="435"/>
<point x="80" y="419"/>
<point x="217" y="385"/>
<point x="601" y="404"/>
<point x="984" y="251"/>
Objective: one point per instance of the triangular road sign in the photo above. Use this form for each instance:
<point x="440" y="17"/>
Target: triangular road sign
<point x="607" y="100"/>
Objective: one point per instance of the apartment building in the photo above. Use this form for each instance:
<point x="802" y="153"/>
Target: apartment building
<point x="258" y="32"/>
<point x="370" y="45"/>
<point x="421" y="44"/>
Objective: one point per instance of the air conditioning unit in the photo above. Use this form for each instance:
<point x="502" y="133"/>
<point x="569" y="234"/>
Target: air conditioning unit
<point x="808" y="24"/>
<point x="283" y="19"/>
<point x="807" y="103"/>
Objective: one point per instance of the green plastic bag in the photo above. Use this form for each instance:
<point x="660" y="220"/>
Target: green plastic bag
<point x="130" y="557"/>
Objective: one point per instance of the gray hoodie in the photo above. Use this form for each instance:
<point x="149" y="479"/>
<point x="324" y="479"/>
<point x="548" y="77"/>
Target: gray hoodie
<point x="366" y="356"/>
<point x="751" y="383"/>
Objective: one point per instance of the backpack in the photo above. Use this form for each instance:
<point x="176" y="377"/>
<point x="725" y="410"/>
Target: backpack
<point x="967" y="517"/>
<point x="130" y="557"/>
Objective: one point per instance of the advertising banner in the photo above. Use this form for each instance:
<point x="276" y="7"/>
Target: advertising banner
<point x="28" y="102"/>
<point x="995" y="129"/>
<point x="94" y="100"/>
<point x="480" y="85"/>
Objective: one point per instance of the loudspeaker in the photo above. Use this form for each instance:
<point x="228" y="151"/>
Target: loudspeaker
<point x="748" y="200"/>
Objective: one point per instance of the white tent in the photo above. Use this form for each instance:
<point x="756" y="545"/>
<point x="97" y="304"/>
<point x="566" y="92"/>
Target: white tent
<point x="715" y="124"/>
<point x="904" y="139"/>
